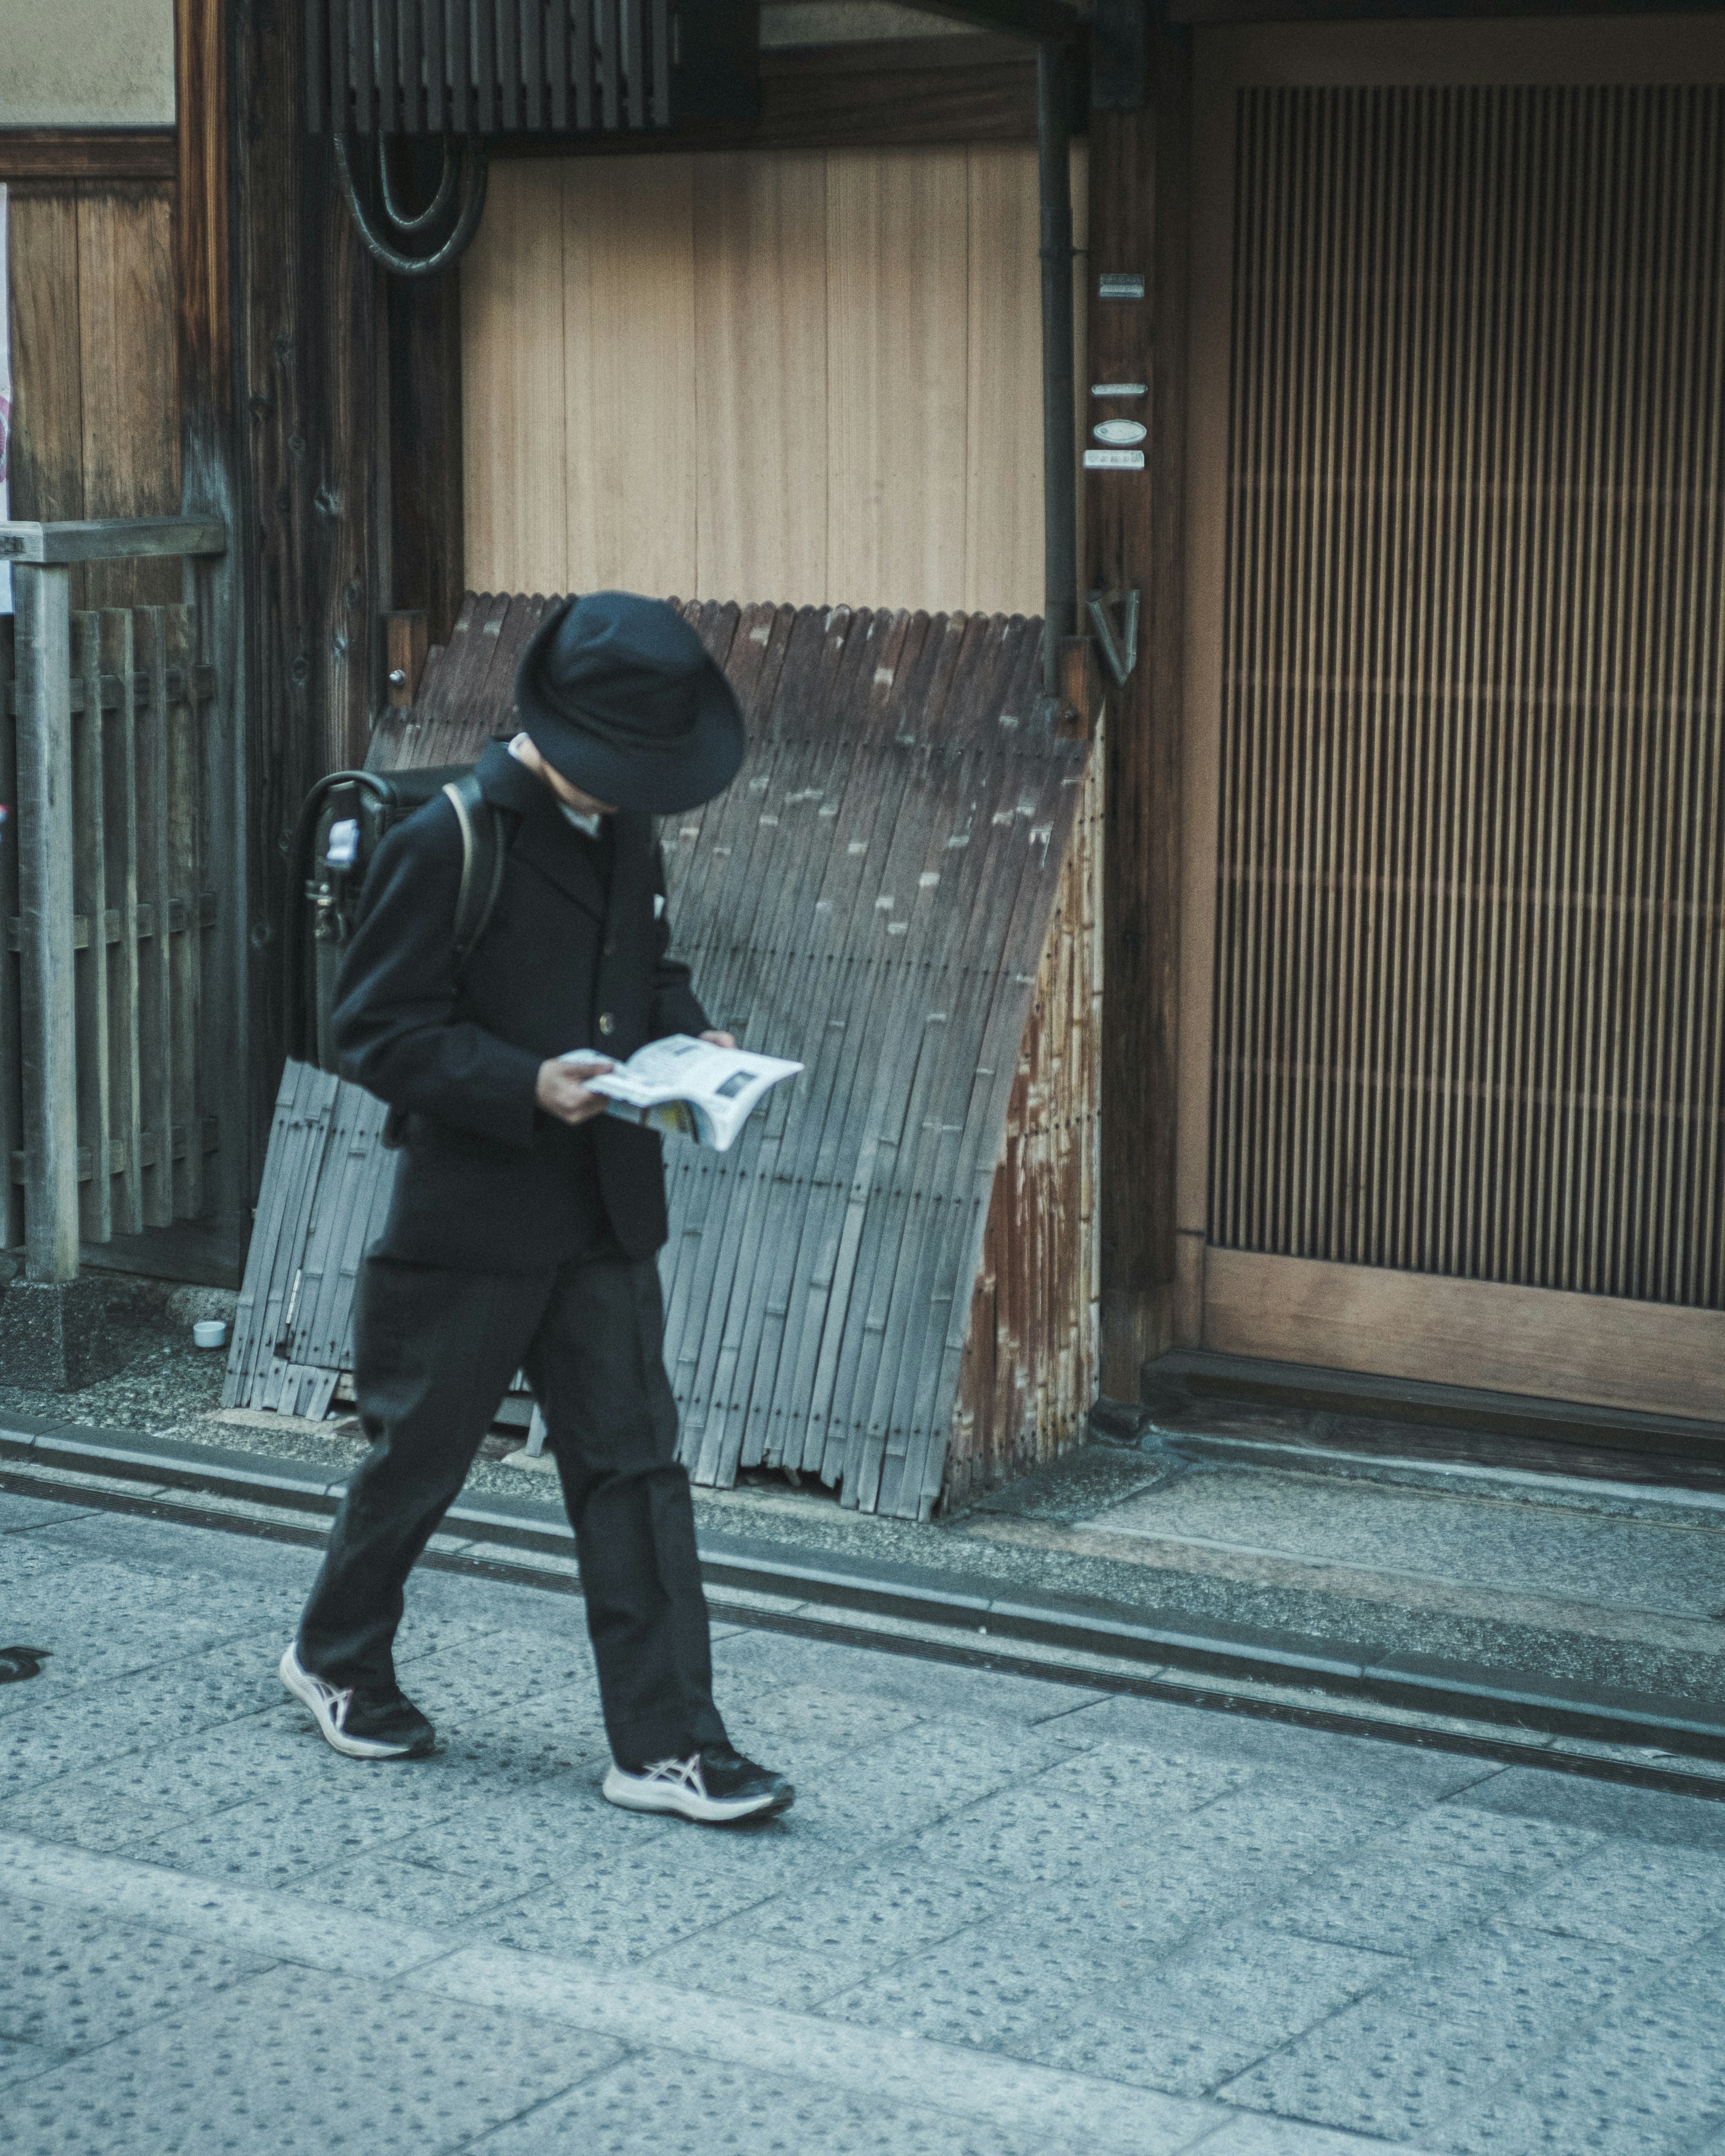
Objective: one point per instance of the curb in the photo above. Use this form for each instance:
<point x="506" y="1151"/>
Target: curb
<point x="1459" y="1478"/>
<point x="967" y="1608"/>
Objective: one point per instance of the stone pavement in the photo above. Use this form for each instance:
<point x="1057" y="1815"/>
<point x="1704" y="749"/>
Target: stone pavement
<point x="1005" y="1915"/>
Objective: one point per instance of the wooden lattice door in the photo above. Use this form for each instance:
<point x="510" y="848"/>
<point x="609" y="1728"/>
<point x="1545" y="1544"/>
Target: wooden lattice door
<point x="1454" y="1005"/>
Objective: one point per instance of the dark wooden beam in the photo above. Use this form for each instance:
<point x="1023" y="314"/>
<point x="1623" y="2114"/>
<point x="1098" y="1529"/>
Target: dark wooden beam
<point x="1134" y="539"/>
<point x="427" y="555"/>
<point x="307" y="328"/>
<point x="1402" y="11"/>
<point x="861" y="97"/>
<point x="88" y="153"/>
<point x="209" y="487"/>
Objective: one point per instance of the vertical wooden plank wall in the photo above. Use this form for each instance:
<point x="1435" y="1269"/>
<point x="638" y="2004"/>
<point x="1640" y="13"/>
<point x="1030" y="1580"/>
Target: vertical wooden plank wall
<point x="1003" y="492"/>
<point x="131" y="401"/>
<point x="96" y="403"/>
<point x="898" y="234"/>
<point x="1134" y="538"/>
<point x="47" y="453"/>
<point x="809" y="373"/>
<point x="762" y="368"/>
<point x="514" y="435"/>
<point x="628" y="232"/>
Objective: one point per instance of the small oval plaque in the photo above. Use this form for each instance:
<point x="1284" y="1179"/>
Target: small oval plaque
<point x="1119" y="432"/>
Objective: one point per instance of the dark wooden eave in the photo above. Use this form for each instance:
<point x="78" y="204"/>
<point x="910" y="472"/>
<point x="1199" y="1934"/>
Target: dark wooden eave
<point x="1202" y="13"/>
<point x="871" y="94"/>
<point x="87" y="153"/>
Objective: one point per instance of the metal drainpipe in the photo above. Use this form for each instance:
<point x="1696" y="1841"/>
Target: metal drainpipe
<point x="1060" y="489"/>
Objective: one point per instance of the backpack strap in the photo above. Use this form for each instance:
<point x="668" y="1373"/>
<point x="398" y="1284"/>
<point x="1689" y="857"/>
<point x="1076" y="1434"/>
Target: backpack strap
<point x="481" y="864"/>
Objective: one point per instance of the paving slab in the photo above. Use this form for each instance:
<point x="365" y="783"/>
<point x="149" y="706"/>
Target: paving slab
<point x="277" y="2063"/>
<point x="1384" y="1901"/>
<point x="71" y="1980"/>
<point x="1485" y="1541"/>
<point x="1649" y="2078"/>
<point x="882" y="1901"/>
<point x="1437" y="2040"/>
<point x="1136" y="1929"/>
<point x="21" y="1514"/>
<point x="20" y="2062"/>
<point x="661" y="2105"/>
<point x="1285" y="2137"/>
<point x="1199" y="2018"/>
<point x="1316" y="1756"/>
<point x="1683" y="1822"/>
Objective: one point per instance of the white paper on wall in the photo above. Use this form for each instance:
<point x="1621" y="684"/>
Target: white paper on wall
<point x="5" y="400"/>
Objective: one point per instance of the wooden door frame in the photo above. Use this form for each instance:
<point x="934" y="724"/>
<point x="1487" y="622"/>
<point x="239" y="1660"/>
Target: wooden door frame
<point x="1597" y="1349"/>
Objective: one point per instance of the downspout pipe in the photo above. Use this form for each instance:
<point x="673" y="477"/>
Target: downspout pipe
<point x="1060" y="483"/>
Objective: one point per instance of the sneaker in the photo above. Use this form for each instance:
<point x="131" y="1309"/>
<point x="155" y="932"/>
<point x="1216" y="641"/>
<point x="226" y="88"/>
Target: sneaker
<point x="714" y="1785"/>
<point x="376" y="1724"/>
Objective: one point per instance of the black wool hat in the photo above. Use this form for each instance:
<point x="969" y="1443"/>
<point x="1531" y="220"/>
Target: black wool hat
<point x="618" y="693"/>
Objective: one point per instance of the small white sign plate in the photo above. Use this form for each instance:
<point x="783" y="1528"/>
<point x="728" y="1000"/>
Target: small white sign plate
<point x="1112" y="286"/>
<point x="1114" y="460"/>
<point x="1117" y="389"/>
<point x="1120" y="432"/>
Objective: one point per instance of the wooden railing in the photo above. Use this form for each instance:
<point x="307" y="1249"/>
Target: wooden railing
<point x="105" y="895"/>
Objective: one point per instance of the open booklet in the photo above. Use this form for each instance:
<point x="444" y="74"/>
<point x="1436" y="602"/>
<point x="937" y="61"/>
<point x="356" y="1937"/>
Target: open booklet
<point x="688" y="1087"/>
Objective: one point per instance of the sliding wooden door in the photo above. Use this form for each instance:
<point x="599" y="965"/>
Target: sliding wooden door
<point x="1453" y="1046"/>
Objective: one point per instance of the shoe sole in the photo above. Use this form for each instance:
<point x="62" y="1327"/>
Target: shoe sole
<point x="305" y="1689"/>
<point x="621" y="1790"/>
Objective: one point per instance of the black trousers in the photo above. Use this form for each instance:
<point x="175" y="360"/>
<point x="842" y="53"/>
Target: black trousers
<point x="435" y="1351"/>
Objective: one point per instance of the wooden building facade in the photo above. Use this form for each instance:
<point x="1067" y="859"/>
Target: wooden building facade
<point x="1413" y="850"/>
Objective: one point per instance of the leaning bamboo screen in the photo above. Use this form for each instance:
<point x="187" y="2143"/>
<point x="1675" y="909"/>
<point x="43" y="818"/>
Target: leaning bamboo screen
<point x="141" y="909"/>
<point x="1031" y="1367"/>
<point x="889" y="1282"/>
<point x="1470" y="990"/>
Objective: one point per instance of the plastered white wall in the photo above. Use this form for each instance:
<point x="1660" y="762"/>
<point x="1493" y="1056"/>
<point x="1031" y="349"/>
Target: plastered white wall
<point x="86" y="63"/>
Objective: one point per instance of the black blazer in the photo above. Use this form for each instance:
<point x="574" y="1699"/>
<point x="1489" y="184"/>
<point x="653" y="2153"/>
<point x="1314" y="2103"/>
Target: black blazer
<point x="487" y="1180"/>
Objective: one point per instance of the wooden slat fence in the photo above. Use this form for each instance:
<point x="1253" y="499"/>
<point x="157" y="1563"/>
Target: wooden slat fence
<point x="141" y="900"/>
<point x="899" y="890"/>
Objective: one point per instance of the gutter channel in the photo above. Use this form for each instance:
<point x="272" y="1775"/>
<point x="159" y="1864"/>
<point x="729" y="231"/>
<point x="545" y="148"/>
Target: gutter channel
<point x="1325" y="1684"/>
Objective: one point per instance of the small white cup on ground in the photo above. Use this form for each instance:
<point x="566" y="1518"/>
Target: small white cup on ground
<point x="210" y="1333"/>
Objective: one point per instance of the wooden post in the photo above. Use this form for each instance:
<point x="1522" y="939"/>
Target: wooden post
<point x="12" y="1119"/>
<point x="1134" y="534"/>
<point x="423" y="327"/>
<point x="89" y="903"/>
<point x="204" y="33"/>
<point x="42" y="596"/>
<point x="1079" y="705"/>
<point x="404" y="654"/>
<point x="305" y="326"/>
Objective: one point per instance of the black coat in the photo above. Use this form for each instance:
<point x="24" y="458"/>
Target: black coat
<point x="488" y="1181"/>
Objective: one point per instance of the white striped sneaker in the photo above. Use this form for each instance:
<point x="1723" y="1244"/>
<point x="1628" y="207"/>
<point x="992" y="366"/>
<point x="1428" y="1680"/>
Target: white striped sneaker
<point x="715" y="1785"/>
<point x="370" y="1723"/>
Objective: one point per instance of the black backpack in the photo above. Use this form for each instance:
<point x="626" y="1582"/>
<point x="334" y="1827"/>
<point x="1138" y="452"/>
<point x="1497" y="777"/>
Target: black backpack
<point x="340" y="828"/>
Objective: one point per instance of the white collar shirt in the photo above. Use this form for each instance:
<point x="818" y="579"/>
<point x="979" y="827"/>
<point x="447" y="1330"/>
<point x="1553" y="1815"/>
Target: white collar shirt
<point x="588" y="826"/>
